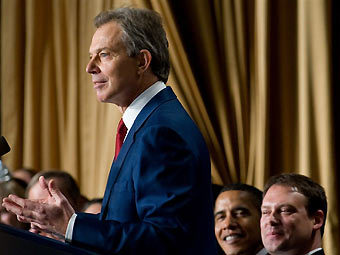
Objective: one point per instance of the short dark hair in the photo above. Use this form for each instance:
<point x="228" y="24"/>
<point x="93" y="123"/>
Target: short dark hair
<point x="315" y="193"/>
<point x="142" y="29"/>
<point x="253" y="191"/>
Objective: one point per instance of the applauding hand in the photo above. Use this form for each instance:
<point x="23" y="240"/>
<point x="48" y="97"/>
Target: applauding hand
<point x="50" y="215"/>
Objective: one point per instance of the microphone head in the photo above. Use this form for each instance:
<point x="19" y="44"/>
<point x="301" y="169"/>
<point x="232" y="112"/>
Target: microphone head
<point x="4" y="147"/>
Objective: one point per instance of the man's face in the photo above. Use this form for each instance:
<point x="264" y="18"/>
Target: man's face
<point x="285" y="224"/>
<point x="114" y="73"/>
<point x="237" y="223"/>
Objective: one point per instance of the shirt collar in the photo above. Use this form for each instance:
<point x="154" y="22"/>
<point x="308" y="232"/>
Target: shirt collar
<point x="138" y="104"/>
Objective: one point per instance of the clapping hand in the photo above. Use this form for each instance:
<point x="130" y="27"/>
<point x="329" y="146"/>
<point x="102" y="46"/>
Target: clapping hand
<point x="49" y="216"/>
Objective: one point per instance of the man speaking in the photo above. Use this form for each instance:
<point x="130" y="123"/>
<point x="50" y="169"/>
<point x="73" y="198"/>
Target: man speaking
<point x="158" y="195"/>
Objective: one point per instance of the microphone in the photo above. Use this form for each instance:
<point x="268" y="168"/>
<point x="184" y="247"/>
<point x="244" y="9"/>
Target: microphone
<point x="4" y="147"/>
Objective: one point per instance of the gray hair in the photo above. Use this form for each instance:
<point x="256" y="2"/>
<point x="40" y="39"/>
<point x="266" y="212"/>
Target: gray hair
<point x="142" y="29"/>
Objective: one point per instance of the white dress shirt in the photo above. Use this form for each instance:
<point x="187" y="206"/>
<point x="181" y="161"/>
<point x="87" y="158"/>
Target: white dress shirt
<point x="129" y="118"/>
<point x="138" y="104"/>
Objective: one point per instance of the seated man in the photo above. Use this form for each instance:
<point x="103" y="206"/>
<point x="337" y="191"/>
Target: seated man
<point x="294" y="212"/>
<point x="237" y="220"/>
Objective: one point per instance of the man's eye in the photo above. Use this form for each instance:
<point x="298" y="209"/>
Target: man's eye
<point x="286" y="210"/>
<point x="219" y="218"/>
<point x="241" y="213"/>
<point x="103" y="54"/>
<point x="265" y="212"/>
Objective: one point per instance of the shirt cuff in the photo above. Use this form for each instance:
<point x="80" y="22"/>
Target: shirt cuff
<point x="69" y="230"/>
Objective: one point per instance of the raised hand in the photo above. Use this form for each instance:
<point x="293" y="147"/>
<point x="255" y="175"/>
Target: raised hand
<point x="50" y="215"/>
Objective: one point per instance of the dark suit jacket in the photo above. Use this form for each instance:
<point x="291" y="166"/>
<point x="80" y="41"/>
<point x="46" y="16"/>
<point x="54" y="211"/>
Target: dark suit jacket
<point x="321" y="252"/>
<point x="158" y="196"/>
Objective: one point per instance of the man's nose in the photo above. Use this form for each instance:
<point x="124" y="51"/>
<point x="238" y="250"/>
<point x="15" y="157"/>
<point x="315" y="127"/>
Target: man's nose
<point x="92" y="67"/>
<point x="274" y="219"/>
<point x="230" y="222"/>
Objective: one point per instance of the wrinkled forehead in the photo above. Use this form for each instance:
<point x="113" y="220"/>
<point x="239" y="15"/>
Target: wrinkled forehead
<point x="106" y="36"/>
<point x="284" y="194"/>
<point x="284" y="187"/>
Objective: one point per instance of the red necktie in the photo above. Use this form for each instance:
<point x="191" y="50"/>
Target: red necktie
<point x="121" y="133"/>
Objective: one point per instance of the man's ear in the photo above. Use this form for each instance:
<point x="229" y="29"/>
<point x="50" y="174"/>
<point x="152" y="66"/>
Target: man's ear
<point x="144" y="60"/>
<point x="319" y="219"/>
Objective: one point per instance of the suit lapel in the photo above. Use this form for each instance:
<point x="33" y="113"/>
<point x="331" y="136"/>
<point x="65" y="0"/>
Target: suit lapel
<point x="162" y="97"/>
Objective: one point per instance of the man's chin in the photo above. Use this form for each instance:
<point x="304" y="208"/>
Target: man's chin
<point x="274" y="247"/>
<point x="103" y="98"/>
<point x="242" y="248"/>
<point x="234" y="250"/>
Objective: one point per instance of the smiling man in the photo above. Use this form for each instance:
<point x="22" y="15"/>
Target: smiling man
<point x="237" y="220"/>
<point x="294" y="213"/>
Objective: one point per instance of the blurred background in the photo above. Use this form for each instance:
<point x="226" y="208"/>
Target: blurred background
<point x="259" y="77"/>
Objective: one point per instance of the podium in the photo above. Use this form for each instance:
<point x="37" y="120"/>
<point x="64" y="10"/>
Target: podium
<point x="20" y="242"/>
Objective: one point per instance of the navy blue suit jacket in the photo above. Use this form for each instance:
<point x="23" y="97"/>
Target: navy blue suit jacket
<point x="158" y="196"/>
<point x="321" y="252"/>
